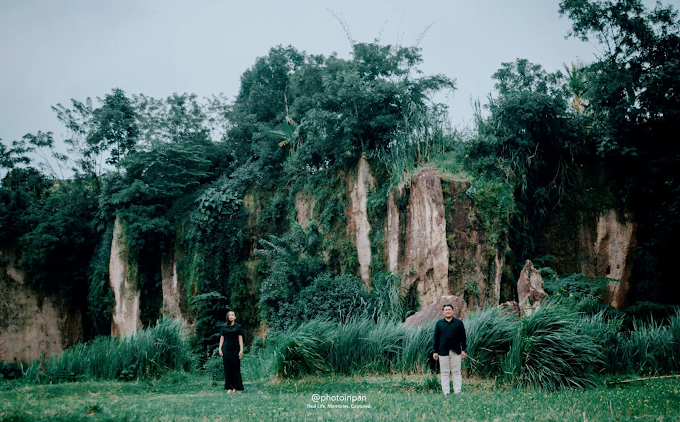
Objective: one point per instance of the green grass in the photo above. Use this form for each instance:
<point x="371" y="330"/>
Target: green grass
<point x="192" y="396"/>
<point x="148" y="353"/>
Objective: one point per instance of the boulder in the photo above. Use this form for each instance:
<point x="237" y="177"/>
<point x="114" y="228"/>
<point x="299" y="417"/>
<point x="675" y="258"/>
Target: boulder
<point x="434" y="311"/>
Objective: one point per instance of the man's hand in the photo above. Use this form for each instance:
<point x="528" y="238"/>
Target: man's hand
<point x="220" y="352"/>
<point x="240" y="353"/>
<point x="463" y="355"/>
<point x="435" y="356"/>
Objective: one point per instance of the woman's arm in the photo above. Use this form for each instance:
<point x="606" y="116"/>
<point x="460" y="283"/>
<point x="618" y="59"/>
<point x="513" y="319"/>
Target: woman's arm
<point x="221" y="343"/>
<point x="240" y="344"/>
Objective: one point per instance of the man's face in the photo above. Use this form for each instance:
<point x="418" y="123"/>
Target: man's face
<point x="448" y="312"/>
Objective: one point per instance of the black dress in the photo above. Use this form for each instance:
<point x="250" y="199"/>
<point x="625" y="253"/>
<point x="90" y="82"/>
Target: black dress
<point x="232" y="364"/>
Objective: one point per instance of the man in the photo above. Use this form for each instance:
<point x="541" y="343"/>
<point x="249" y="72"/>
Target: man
<point x="449" y="348"/>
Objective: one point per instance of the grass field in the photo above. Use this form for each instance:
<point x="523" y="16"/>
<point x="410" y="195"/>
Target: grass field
<point x="184" y="397"/>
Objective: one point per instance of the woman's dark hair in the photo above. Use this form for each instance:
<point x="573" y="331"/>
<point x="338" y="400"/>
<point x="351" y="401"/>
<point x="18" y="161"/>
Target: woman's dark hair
<point x="227" y="323"/>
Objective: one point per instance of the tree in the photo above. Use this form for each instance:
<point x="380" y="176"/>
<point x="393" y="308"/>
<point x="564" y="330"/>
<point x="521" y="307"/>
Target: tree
<point x="16" y="154"/>
<point x="114" y="127"/>
<point x="633" y="94"/>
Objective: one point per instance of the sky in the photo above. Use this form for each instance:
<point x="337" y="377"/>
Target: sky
<point x="53" y="51"/>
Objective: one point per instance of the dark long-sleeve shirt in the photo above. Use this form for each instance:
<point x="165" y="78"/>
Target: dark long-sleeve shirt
<point x="449" y="336"/>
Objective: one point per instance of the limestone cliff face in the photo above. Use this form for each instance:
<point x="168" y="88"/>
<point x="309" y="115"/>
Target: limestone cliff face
<point x="596" y="245"/>
<point x="304" y="207"/>
<point x="174" y="295"/>
<point x="438" y="243"/>
<point x="123" y="280"/>
<point x="359" y="182"/>
<point x="393" y="234"/>
<point x="477" y="262"/>
<point x="426" y="255"/>
<point x="608" y="252"/>
<point x="32" y="325"/>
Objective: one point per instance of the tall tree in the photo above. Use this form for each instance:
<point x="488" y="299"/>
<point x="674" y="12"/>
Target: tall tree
<point x="114" y="127"/>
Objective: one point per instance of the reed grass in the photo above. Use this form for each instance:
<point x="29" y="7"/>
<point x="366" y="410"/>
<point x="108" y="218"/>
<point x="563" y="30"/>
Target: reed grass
<point x="147" y="354"/>
<point x="650" y="348"/>
<point x="550" y="350"/>
<point x="358" y="346"/>
<point x="489" y="336"/>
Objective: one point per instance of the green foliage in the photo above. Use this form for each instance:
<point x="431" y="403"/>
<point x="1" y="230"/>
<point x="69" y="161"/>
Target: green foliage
<point x="99" y="295"/>
<point x="10" y="371"/>
<point x="294" y="261"/>
<point x="423" y="134"/>
<point x="53" y="252"/>
<point x="344" y="107"/>
<point x="531" y="141"/>
<point x="550" y="352"/>
<point x="21" y="191"/>
<point x="651" y="347"/>
<point x="357" y="346"/>
<point x="577" y="291"/>
<point x="210" y="310"/>
<point x="114" y="127"/>
<point x="149" y="353"/>
<point x="331" y="297"/>
<point x="490" y="332"/>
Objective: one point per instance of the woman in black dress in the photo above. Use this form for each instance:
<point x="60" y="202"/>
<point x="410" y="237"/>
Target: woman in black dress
<point x="231" y="350"/>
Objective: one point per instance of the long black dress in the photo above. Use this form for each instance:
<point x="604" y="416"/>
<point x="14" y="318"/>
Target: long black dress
<point x="232" y="364"/>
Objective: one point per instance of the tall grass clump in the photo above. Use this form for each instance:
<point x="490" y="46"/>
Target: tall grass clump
<point x="416" y="347"/>
<point x="489" y="335"/>
<point x="674" y="328"/>
<point x="356" y="346"/>
<point x="551" y="351"/>
<point x="147" y="354"/>
<point x="606" y="332"/>
<point x="304" y="351"/>
<point x="424" y="133"/>
<point x="651" y="348"/>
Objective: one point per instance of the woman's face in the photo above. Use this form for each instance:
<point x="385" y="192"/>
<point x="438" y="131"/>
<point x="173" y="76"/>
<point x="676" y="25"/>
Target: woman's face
<point x="231" y="317"/>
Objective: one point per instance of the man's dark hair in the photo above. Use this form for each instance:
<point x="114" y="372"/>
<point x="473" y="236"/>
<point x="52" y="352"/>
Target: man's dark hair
<point x="449" y="305"/>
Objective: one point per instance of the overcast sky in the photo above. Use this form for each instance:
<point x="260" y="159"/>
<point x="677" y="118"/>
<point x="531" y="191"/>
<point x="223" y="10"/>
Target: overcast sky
<point x="52" y="51"/>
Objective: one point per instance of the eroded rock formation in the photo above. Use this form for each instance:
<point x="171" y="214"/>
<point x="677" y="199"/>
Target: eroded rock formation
<point x="32" y="325"/>
<point x="304" y="208"/>
<point x="393" y="234"/>
<point x="609" y="253"/>
<point x="358" y="185"/>
<point x="123" y="280"/>
<point x="530" y="287"/>
<point x="476" y="263"/>
<point x="174" y="296"/>
<point x="426" y="257"/>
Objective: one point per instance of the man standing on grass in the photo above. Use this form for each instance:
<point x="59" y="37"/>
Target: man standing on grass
<point x="449" y="348"/>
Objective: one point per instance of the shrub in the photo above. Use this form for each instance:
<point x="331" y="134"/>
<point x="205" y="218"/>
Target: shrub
<point x="578" y="291"/>
<point x="332" y="297"/>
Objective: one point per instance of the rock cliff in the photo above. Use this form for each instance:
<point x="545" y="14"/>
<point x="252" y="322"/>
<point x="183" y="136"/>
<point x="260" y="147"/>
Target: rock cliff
<point x="32" y="324"/>
<point x="123" y="280"/>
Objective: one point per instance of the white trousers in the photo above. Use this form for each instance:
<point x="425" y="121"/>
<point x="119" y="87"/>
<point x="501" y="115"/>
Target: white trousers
<point x="451" y="365"/>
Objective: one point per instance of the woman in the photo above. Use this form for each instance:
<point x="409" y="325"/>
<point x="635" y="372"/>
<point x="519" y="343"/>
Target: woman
<point x="231" y="350"/>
